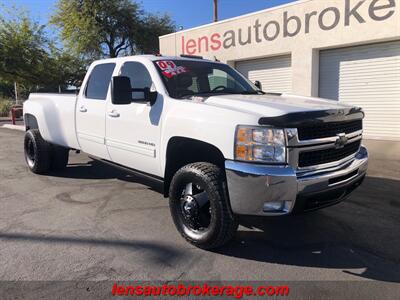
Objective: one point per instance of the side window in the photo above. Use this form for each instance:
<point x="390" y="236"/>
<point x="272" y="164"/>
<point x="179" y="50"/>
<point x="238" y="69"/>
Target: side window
<point x="99" y="81"/>
<point x="139" y="76"/>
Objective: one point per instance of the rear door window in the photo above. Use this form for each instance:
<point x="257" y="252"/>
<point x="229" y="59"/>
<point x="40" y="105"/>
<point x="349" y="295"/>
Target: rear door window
<point x="99" y="81"/>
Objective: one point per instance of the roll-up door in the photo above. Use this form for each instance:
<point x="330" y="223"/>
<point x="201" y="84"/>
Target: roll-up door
<point x="275" y="73"/>
<point x="366" y="76"/>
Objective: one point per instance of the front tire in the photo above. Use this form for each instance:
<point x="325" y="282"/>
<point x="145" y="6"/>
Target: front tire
<point x="37" y="152"/>
<point x="199" y="205"/>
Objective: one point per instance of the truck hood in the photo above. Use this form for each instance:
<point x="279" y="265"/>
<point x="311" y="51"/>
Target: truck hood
<point x="271" y="105"/>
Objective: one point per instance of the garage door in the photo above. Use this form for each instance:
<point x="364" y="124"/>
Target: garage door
<point x="369" y="77"/>
<point x="275" y="74"/>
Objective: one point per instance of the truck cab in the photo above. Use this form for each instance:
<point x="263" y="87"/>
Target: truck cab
<point x="219" y="146"/>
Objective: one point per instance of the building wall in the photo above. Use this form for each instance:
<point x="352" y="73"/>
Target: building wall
<point x="301" y="29"/>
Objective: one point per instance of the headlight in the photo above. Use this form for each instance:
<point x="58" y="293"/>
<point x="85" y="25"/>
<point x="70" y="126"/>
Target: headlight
<point x="260" y="144"/>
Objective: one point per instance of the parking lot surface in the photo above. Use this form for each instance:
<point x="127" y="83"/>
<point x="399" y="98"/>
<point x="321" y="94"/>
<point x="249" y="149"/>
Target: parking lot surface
<point x="92" y="222"/>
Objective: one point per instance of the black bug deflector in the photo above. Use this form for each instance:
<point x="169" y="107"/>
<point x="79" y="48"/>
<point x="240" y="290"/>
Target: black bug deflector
<point x="309" y="118"/>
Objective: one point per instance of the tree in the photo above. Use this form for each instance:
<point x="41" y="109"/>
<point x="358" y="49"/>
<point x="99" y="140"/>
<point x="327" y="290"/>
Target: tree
<point x="153" y="26"/>
<point x="108" y="28"/>
<point x="30" y="58"/>
<point x="22" y="54"/>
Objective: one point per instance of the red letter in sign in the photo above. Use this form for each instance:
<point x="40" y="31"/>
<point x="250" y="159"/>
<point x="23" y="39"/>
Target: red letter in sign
<point x="216" y="42"/>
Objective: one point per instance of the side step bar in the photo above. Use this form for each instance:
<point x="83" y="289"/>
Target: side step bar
<point x="148" y="179"/>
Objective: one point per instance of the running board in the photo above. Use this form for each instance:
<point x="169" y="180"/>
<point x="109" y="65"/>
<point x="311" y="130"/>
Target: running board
<point x="157" y="183"/>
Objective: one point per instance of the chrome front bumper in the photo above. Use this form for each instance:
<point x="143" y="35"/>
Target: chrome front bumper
<point x="280" y="190"/>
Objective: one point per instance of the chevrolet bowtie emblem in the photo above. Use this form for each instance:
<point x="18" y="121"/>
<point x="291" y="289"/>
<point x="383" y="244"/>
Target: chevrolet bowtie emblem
<point x="341" y="140"/>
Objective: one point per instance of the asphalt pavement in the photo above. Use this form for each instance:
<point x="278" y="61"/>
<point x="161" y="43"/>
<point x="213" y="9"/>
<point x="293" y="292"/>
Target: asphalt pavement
<point x="93" y="222"/>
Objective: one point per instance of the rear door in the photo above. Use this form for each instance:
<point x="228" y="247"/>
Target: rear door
<point x="91" y="111"/>
<point x="133" y="130"/>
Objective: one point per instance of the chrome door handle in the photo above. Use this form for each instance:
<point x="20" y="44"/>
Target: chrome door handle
<point x="82" y="109"/>
<point x="113" y="114"/>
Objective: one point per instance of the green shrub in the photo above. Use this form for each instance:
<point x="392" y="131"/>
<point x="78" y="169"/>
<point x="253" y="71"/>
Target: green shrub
<point x="5" y="107"/>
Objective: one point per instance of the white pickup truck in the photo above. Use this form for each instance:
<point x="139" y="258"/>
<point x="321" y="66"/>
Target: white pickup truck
<point x="219" y="146"/>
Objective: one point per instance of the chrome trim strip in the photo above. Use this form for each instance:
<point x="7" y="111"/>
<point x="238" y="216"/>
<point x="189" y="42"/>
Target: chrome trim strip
<point x="257" y="169"/>
<point x="293" y="138"/>
<point x="330" y="167"/>
<point x="146" y="151"/>
<point x="91" y="138"/>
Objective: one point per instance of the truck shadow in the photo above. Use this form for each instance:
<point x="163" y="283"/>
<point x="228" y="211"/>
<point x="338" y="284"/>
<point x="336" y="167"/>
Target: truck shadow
<point x="155" y="253"/>
<point x="359" y="236"/>
<point x="94" y="169"/>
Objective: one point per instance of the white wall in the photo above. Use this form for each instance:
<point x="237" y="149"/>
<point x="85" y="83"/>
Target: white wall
<point x="305" y="27"/>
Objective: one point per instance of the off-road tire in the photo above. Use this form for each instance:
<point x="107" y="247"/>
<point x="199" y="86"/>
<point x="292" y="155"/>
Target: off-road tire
<point x="37" y="152"/>
<point x="223" y="224"/>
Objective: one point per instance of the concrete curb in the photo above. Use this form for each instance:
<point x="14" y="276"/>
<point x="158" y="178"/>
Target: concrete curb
<point x="14" y="127"/>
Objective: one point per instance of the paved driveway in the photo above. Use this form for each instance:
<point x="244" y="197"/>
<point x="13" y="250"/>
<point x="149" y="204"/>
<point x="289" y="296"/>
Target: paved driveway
<point x="91" y="222"/>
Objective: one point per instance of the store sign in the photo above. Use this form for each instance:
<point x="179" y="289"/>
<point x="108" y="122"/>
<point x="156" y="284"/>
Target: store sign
<point x="291" y="25"/>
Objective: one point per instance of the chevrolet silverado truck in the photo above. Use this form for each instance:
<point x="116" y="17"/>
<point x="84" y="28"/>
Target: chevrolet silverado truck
<point x="217" y="145"/>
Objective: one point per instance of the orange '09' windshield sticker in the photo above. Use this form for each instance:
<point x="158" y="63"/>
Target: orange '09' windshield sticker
<point x="169" y="68"/>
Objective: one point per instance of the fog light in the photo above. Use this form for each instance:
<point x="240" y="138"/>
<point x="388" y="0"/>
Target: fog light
<point x="277" y="206"/>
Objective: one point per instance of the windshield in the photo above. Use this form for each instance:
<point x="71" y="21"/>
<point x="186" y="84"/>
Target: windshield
<point x="187" y="78"/>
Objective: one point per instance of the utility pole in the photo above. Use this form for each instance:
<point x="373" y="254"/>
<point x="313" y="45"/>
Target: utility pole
<point x="215" y="10"/>
<point x="16" y="92"/>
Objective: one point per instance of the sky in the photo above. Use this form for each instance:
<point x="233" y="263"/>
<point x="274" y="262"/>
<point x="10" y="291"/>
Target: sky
<point x="186" y="13"/>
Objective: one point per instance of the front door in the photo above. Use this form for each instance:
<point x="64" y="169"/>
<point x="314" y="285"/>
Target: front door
<point x="133" y="130"/>
<point x="91" y="110"/>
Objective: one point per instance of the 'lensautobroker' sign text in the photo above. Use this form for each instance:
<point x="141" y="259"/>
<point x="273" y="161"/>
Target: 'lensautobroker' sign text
<point x="290" y="26"/>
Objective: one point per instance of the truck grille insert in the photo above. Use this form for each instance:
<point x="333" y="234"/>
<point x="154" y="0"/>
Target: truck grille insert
<point x="328" y="129"/>
<point x="319" y="157"/>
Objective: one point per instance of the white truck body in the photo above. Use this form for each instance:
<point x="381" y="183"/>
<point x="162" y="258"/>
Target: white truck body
<point x="119" y="139"/>
<point x="58" y="117"/>
<point x="279" y="153"/>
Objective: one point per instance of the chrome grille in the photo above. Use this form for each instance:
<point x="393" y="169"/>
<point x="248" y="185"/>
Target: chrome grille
<point x="325" y="130"/>
<point x="324" y="145"/>
<point x="320" y="157"/>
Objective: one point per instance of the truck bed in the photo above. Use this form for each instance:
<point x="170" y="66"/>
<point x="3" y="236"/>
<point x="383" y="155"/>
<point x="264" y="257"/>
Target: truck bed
<point x="57" y="111"/>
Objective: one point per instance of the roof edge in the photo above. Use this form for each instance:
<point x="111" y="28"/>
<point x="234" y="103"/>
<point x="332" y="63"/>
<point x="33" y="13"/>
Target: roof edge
<point x="295" y="2"/>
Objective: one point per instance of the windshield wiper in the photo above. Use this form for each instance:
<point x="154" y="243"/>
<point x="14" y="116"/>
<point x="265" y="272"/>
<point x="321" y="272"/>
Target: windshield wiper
<point x="209" y="94"/>
<point x="252" y="93"/>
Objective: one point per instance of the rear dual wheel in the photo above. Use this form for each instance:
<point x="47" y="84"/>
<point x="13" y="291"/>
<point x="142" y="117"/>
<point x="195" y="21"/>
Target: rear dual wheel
<point x="42" y="156"/>
<point x="200" y="207"/>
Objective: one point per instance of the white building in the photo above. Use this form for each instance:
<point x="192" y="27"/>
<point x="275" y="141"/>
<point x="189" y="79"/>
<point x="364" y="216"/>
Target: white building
<point x="346" y="50"/>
